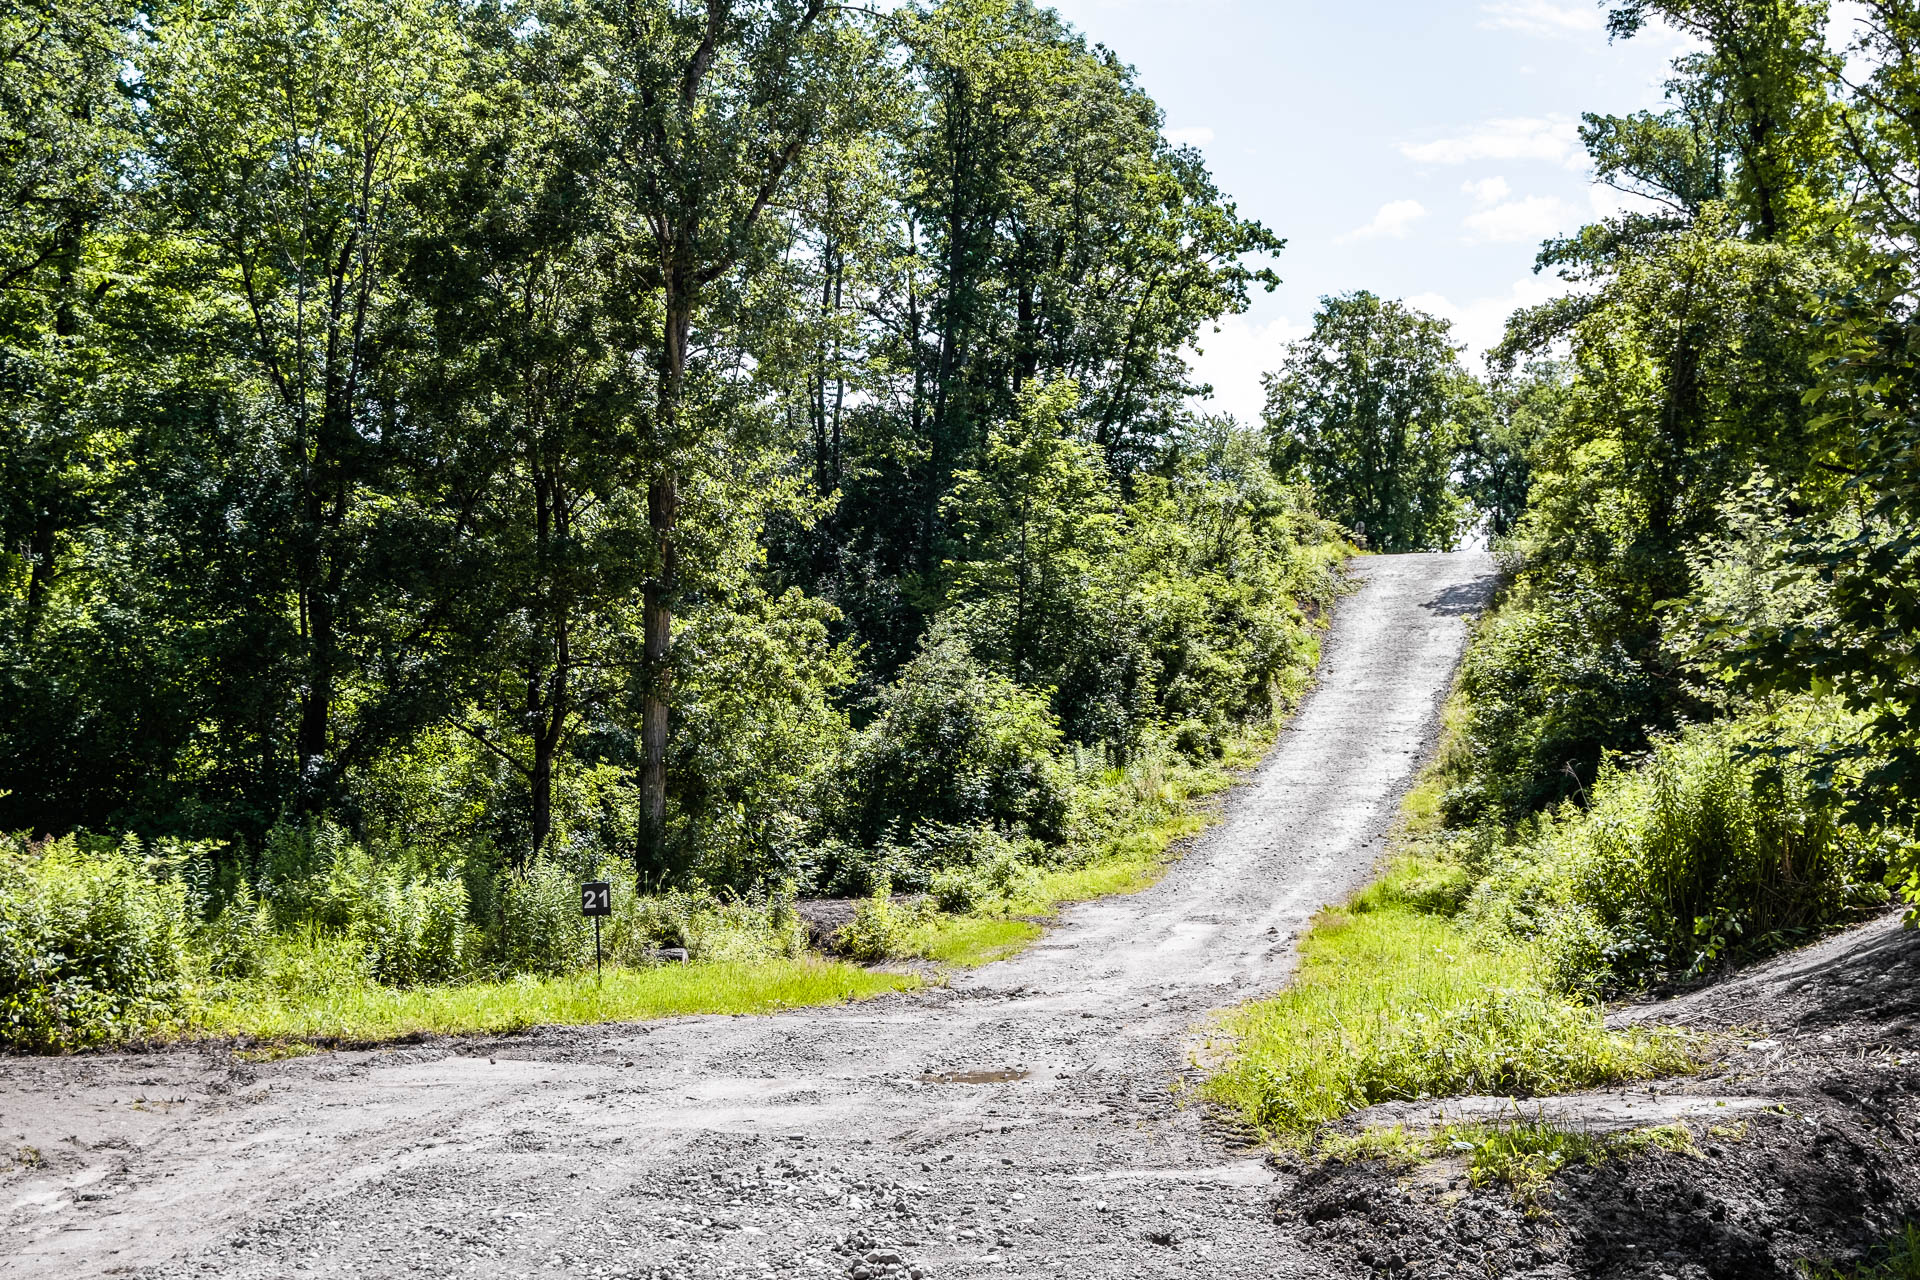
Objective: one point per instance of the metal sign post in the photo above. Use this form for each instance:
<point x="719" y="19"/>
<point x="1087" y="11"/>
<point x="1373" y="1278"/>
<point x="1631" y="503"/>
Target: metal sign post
<point x="596" y="900"/>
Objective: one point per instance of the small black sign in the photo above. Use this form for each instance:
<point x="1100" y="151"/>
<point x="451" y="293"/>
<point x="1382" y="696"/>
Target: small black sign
<point x="596" y="898"/>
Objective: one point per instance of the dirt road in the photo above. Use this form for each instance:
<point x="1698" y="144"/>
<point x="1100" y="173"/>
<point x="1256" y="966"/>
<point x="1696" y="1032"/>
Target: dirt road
<point x="1026" y="1120"/>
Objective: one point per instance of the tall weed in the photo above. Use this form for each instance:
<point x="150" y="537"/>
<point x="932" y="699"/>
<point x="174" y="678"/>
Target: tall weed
<point x="414" y="932"/>
<point x="1712" y="849"/>
<point x="92" y="947"/>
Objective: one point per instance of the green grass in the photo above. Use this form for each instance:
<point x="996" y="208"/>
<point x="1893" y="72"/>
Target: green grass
<point x="1897" y="1259"/>
<point x="1394" y="1001"/>
<point x="967" y="942"/>
<point x="1521" y="1155"/>
<point x="1133" y="862"/>
<point x="371" y="1014"/>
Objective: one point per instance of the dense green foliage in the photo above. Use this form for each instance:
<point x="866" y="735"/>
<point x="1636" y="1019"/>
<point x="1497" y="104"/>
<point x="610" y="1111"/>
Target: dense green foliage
<point x="741" y="448"/>
<point x="1688" y="730"/>
<point x="1370" y="409"/>
<point x="1700" y="853"/>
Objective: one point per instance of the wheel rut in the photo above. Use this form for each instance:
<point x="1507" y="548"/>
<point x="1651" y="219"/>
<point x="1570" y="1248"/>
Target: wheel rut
<point x="1028" y="1119"/>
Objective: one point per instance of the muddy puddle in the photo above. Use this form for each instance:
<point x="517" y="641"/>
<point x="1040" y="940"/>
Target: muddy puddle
<point x="1000" y="1075"/>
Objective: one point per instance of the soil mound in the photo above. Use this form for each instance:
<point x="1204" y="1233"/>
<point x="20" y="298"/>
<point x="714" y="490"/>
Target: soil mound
<point x="1806" y="1145"/>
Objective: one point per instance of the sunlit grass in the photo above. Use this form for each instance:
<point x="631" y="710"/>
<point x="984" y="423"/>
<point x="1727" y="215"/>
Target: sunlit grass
<point x="1395" y="1002"/>
<point x="1134" y="862"/>
<point x="966" y="942"/>
<point x="370" y="1014"/>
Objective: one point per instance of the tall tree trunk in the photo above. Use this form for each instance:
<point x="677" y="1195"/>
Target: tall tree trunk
<point x="549" y="710"/>
<point x="43" y="542"/>
<point x="316" y="700"/>
<point x="663" y="516"/>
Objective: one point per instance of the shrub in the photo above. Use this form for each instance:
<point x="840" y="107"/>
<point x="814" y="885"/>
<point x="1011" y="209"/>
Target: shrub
<point x="1712" y="849"/>
<point x="92" y="948"/>
<point x="879" y="929"/>
<point x="755" y="692"/>
<point x="954" y="744"/>
<point x="741" y="929"/>
<point x="235" y="942"/>
<point x="1550" y="689"/>
<point x="958" y="890"/>
<point x="313" y="874"/>
<point x="540" y="929"/>
<point x="414" y="932"/>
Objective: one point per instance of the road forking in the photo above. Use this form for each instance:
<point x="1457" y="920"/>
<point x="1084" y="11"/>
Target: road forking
<point x="749" y="1146"/>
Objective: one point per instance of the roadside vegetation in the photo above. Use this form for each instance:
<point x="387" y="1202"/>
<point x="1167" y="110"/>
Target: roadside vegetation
<point x="827" y="522"/>
<point x="1520" y="1155"/>
<point x="1899" y="1259"/>
<point x="1688" y="733"/>
<point x="104" y="942"/>
<point x="1400" y="996"/>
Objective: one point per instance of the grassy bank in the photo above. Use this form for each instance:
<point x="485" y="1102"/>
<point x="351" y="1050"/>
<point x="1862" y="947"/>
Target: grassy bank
<point x="368" y="1014"/>
<point x="1398" y="999"/>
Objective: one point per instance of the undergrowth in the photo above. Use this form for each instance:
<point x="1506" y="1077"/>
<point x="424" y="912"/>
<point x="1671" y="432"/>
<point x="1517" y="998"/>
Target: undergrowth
<point x="1398" y="998"/>
<point x="1133" y="814"/>
<point x="318" y="936"/>
<point x="1396" y="1001"/>
<point x="1898" y="1259"/>
<point x="102" y="943"/>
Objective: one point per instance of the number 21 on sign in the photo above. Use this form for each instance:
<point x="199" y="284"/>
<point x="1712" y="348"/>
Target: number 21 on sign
<point x="596" y="900"/>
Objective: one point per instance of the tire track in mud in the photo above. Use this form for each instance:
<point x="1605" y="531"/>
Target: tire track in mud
<point x="813" y="1143"/>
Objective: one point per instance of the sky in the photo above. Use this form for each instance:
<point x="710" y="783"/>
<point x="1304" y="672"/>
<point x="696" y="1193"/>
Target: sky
<point x="1420" y="149"/>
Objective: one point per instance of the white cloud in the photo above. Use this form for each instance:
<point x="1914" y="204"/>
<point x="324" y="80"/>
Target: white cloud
<point x="1487" y="190"/>
<point x="1541" y="17"/>
<point x="1199" y="136"/>
<point x="1519" y="221"/>
<point x="1483" y="322"/>
<point x="1394" y="220"/>
<point x="1555" y="139"/>
<point x="1233" y="359"/>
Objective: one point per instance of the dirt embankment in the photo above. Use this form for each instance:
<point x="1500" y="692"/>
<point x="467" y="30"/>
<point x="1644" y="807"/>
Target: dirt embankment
<point x="1807" y="1145"/>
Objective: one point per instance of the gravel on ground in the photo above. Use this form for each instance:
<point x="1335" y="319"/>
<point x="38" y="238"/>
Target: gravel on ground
<point x="1031" y="1118"/>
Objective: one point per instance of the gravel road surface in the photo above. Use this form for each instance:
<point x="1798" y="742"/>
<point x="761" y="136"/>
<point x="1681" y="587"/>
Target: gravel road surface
<point x="1025" y="1120"/>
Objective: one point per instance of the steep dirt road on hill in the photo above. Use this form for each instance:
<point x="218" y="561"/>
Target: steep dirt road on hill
<point x="1024" y="1120"/>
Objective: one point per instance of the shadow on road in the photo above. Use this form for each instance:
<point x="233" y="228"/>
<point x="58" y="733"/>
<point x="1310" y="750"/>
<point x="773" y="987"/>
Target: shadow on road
<point x="1465" y="598"/>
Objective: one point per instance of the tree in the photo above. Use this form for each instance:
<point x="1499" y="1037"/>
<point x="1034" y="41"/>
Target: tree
<point x="1764" y="82"/>
<point x="1496" y="465"/>
<point x="1861" y="561"/>
<point x="1032" y="523"/>
<point x="1368" y="410"/>
<point x="65" y="127"/>
<point x="703" y="111"/>
<point x="284" y="136"/>
<point x="1043" y="231"/>
<point x="527" y="510"/>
